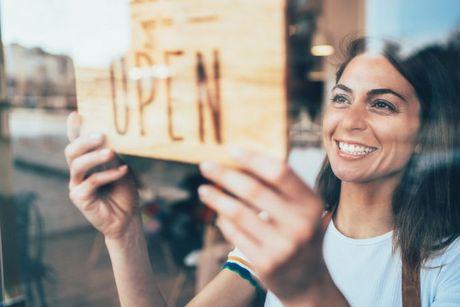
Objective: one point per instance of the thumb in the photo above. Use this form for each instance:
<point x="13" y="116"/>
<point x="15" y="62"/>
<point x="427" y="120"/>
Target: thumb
<point x="73" y="126"/>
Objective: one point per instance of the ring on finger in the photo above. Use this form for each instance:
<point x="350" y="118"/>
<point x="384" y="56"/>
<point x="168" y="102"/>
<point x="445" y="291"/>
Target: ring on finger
<point x="264" y="216"/>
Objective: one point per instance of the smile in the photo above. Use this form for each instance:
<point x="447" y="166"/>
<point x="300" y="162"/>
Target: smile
<point x="355" y="150"/>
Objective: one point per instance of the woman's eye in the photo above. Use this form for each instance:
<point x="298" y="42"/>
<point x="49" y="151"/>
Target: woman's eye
<point x="339" y="99"/>
<point x="383" y="105"/>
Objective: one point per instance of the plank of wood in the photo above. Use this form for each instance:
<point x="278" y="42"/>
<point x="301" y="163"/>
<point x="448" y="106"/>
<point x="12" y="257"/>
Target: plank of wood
<point x="200" y="75"/>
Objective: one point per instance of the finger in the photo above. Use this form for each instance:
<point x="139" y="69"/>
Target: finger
<point x="235" y="211"/>
<point x="267" y="236"/>
<point x="83" y="164"/>
<point x="238" y="238"/>
<point x="87" y="189"/>
<point x="73" y="126"/>
<point x="276" y="172"/>
<point x="82" y="145"/>
<point x="248" y="189"/>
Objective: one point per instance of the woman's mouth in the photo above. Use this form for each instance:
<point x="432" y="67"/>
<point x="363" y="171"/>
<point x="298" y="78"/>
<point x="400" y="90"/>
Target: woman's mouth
<point x="353" y="150"/>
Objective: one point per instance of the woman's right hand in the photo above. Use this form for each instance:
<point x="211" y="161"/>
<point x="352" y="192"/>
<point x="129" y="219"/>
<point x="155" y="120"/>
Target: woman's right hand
<point x="108" y="197"/>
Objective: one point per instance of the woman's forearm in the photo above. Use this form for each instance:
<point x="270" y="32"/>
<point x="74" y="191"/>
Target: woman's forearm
<point x="132" y="269"/>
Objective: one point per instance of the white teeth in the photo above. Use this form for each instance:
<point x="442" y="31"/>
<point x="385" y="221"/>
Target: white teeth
<point x="355" y="149"/>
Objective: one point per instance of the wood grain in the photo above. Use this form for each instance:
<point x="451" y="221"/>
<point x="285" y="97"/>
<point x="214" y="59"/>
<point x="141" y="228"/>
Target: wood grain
<point x="200" y="75"/>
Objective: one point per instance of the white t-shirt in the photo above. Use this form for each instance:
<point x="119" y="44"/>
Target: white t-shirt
<point x="368" y="273"/>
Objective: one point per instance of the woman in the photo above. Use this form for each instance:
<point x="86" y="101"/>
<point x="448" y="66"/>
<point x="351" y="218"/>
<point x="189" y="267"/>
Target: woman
<point x="386" y="182"/>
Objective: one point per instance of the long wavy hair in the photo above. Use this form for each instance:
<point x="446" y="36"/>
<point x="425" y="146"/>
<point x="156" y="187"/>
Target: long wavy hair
<point x="425" y="205"/>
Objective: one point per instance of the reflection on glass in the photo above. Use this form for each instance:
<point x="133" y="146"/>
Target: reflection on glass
<point x="47" y="43"/>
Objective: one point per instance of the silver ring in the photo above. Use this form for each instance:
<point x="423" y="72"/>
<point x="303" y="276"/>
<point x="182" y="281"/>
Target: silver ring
<point x="264" y="216"/>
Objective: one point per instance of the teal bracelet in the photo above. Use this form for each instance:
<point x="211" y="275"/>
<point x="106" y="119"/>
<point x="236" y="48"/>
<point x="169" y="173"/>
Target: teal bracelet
<point x="261" y="293"/>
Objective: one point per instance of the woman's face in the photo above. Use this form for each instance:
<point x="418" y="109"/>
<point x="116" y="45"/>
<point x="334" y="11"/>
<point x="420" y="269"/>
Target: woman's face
<point x="371" y="122"/>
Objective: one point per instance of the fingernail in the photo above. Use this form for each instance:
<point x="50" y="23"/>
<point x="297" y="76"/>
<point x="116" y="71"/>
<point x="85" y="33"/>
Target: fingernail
<point x="208" y="166"/>
<point x="95" y="137"/>
<point x="123" y="168"/>
<point x="105" y="152"/>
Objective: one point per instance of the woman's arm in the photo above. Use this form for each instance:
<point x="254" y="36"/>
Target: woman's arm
<point x="226" y="289"/>
<point x="106" y="194"/>
<point x="136" y="284"/>
<point x="137" y="287"/>
<point x="108" y="199"/>
<point x="132" y="270"/>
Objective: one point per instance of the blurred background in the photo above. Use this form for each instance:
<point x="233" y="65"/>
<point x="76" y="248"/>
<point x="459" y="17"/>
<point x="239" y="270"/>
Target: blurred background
<point x="50" y="256"/>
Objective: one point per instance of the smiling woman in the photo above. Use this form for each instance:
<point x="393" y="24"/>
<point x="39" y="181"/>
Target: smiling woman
<point x="402" y="111"/>
<point x="390" y="229"/>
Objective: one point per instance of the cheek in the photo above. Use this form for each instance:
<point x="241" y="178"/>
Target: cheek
<point x="331" y="119"/>
<point x="398" y="141"/>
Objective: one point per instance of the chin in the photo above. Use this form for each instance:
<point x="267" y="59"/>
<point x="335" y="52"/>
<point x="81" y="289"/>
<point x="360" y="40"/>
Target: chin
<point x="345" y="177"/>
<point x="348" y="174"/>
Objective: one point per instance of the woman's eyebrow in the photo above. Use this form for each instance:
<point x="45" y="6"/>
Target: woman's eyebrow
<point x="343" y="87"/>
<point x="377" y="91"/>
<point x="380" y="91"/>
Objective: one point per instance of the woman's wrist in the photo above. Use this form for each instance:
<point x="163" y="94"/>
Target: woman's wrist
<point x="131" y="234"/>
<point x="132" y="268"/>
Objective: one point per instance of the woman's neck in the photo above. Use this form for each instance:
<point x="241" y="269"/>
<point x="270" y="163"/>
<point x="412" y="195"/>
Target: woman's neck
<point x="364" y="209"/>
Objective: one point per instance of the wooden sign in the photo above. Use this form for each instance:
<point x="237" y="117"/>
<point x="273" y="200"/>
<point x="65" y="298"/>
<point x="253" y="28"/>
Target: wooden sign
<point x="200" y="75"/>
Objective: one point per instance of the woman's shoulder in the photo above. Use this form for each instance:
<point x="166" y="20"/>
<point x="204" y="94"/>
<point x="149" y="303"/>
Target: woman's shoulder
<point x="442" y="272"/>
<point x="440" y="275"/>
<point x="449" y="255"/>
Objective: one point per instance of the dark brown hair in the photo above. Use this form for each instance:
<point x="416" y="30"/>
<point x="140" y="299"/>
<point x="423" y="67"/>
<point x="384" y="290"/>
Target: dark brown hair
<point x="426" y="203"/>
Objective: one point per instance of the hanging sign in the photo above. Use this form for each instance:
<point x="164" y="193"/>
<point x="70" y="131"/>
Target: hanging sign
<point x="200" y="75"/>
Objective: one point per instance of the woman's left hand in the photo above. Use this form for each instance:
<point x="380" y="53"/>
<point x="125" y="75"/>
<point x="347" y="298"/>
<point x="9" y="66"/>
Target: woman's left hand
<point x="273" y="217"/>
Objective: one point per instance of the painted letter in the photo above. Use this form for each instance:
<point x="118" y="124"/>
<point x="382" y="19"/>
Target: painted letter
<point x="173" y="137"/>
<point x="205" y="97"/>
<point x="113" y="83"/>
<point x="144" y="101"/>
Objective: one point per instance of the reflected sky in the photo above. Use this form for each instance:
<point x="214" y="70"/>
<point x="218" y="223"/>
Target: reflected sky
<point x="91" y="31"/>
<point x="416" y="22"/>
<point x="94" y="32"/>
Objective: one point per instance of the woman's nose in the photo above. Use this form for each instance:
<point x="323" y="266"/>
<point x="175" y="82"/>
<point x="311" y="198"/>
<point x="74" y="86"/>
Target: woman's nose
<point x="355" y="117"/>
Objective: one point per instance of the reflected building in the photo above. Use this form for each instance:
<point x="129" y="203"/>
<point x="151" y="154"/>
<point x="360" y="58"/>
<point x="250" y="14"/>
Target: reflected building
<point x="37" y="79"/>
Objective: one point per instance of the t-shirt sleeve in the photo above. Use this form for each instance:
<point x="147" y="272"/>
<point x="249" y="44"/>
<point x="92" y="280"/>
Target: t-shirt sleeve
<point x="448" y="281"/>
